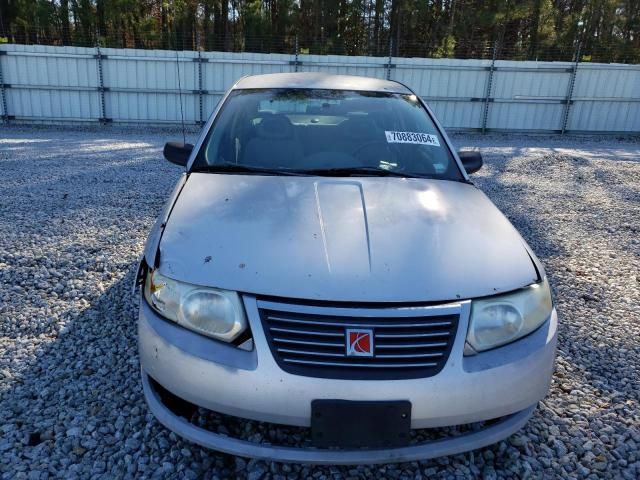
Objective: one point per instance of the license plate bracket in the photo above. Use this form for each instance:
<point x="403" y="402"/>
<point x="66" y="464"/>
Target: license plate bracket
<point x="355" y="424"/>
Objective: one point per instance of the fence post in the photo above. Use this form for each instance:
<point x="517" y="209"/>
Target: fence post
<point x="296" y="61"/>
<point x="200" y="90"/>
<point x="3" y="93"/>
<point x="572" y="82"/>
<point x="389" y="65"/>
<point x="103" y="111"/>
<point x="487" y="93"/>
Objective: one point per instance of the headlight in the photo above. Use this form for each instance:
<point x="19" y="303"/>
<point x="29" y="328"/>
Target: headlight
<point x="209" y="311"/>
<point x="502" y="319"/>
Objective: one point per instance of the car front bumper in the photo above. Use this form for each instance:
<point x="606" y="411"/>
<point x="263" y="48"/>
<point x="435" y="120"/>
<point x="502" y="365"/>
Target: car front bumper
<point x="505" y="383"/>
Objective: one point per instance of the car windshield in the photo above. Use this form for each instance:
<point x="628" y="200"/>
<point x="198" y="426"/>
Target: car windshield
<point x="305" y="131"/>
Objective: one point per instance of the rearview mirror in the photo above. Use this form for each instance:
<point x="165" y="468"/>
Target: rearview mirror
<point x="177" y="152"/>
<point x="471" y="161"/>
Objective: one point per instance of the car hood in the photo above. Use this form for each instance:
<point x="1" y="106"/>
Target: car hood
<point x="365" y="239"/>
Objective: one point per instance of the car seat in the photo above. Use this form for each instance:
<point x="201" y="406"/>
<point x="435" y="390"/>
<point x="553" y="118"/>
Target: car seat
<point x="274" y="144"/>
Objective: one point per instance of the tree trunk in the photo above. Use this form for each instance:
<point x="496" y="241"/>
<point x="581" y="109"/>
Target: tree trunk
<point x="206" y="26"/>
<point x="378" y="25"/>
<point x="449" y="32"/>
<point x="395" y="26"/>
<point x="64" y="17"/>
<point x="535" y="26"/>
<point x="102" y="27"/>
<point x="164" y="25"/>
<point x="224" y="24"/>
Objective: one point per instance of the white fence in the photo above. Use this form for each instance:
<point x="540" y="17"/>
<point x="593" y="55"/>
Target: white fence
<point x="73" y="84"/>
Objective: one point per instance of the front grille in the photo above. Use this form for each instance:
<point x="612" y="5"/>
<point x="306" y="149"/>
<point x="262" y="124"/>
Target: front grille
<point x="409" y="342"/>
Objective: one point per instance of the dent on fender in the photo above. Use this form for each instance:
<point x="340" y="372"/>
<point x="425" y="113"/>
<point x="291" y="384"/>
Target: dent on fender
<point x="152" y="247"/>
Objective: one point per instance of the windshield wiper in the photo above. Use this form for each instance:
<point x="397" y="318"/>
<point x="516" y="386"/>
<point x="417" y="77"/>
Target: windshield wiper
<point x="238" y="168"/>
<point x="373" y="171"/>
<point x="329" y="172"/>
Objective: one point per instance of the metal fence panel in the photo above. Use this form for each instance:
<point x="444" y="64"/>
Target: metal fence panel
<point x="457" y="115"/>
<point x="529" y="95"/>
<point x="344" y="65"/>
<point x="530" y="117"/>
<point x="454" y="89"/>
<point x="53" y="105"/>
<point x="44" y="82"/>
<point x="220" y="70"/>
<point x="606" y="99"/>
<point x="50" y="84"/>
<point x="143" y="85"/>
<point x="443" y="77"/>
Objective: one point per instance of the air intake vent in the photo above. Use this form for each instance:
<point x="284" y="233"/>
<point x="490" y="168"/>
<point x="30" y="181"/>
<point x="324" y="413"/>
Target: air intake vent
<point x="401" y="343"/>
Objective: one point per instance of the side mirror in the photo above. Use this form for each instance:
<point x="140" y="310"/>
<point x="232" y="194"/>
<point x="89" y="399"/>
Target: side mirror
<point x="177" y="153"/>
<point x="471" y="161"/>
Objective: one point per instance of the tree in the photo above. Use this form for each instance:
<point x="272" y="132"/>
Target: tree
<point x="607" y="30"/>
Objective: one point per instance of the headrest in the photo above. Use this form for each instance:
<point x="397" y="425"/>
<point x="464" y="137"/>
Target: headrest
<point x="275" y="127"/>
<point x="319" y="109"/>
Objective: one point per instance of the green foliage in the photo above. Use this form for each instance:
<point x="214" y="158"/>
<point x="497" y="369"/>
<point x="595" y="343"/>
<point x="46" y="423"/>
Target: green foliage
<point x="607" y="30"/>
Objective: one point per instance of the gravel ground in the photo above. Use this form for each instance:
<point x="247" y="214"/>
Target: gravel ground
<point x="76" y="205"/>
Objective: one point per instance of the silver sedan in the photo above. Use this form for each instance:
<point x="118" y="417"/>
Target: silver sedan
<point x="325" y="262"/>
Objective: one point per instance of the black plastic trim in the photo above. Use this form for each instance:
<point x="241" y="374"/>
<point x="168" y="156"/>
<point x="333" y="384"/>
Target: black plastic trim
<point x="535" y="267"/>
<point x="156" y="257"/>
<point x="354" y="372"/>
<point x="143" y="268"/>
<point x="348" y="424"/>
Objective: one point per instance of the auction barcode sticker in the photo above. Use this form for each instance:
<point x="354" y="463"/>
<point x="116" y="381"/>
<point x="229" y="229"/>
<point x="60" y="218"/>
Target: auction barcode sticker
<point x="412" y="137"/>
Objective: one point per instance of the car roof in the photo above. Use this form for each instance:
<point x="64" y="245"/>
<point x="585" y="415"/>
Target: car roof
<point x="318" y="80"/>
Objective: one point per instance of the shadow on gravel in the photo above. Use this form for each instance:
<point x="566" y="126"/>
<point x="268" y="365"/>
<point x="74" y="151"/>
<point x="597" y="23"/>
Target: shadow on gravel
<point x="70" y="392"/>
<point x="73" y="406"/>
<point x="77" y="407"/>
<point x="76" y="404"/>
<point x="588" y="244"/>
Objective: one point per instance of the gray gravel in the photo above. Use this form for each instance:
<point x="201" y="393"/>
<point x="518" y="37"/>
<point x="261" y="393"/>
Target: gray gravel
<point x="75" y="208"/>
